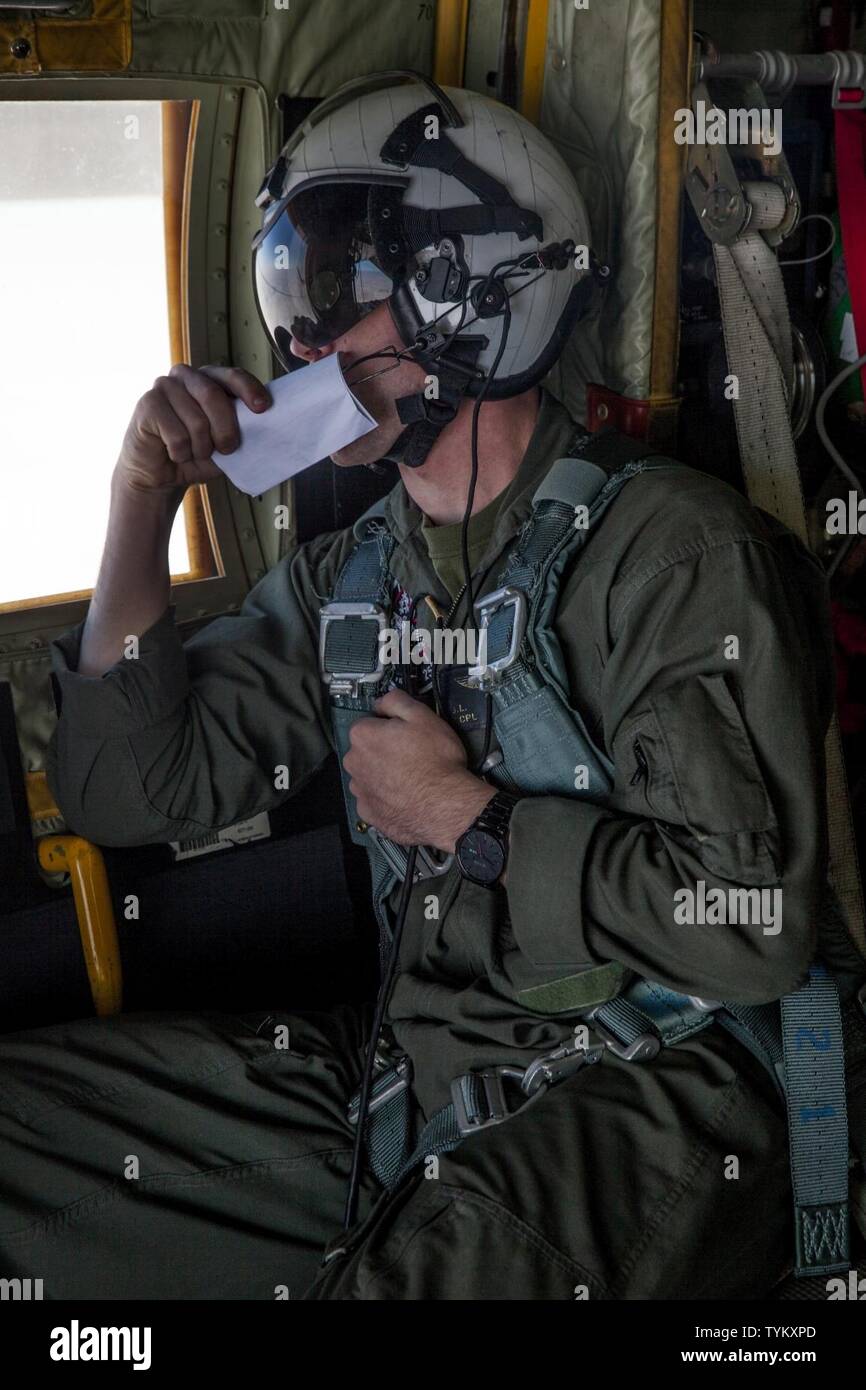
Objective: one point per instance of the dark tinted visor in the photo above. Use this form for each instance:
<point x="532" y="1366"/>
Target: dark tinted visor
<point x="315" y="268"/>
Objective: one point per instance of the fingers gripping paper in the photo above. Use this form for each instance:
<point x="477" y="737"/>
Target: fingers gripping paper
<point x="313" y="414"/>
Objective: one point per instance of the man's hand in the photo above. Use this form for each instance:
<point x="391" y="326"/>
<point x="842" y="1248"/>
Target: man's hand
<point x="409" y="776"/>
<point x="177" y="425"/>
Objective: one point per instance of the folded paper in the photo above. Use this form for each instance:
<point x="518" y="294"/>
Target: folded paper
<point x="313" y="414"/>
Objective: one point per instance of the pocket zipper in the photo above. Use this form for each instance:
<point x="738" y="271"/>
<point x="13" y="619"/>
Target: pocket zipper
<point x="642" y="769"/>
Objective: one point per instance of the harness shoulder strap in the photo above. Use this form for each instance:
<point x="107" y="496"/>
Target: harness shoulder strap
<point x="349" y="650"/>
<point x="543" y="740"/>
<point x="544" y="743"/>
<point x="350" y="664"/>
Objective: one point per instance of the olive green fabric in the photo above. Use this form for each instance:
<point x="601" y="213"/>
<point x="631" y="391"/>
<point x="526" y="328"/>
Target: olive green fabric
<point x="306" y="48"/>
<point x="444" y="545"/>
<point x="692" y="625"/>
<point x="615" y="1185"/>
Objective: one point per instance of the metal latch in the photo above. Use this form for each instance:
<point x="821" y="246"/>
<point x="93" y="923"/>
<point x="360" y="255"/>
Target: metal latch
<point x="555" y="1066"/>
<point x="641" y="1049"/>
<point x="487" y="1098"/>
<point x="386" y="1086"/>
<point x="714" y="183"/>
<point x="487" y="607"/>
<point x="348" y="682"/>
<point x="428" y="861"/>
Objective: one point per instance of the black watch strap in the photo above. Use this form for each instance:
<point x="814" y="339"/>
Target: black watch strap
<point x="492" y="823"/>
<point x="497" y="814"/>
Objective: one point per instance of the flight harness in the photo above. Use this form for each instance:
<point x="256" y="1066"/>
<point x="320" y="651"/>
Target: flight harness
<point x="543" y="742"/>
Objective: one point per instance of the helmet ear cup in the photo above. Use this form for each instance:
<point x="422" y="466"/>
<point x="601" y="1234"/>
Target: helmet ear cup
<point x="489" y="298"/>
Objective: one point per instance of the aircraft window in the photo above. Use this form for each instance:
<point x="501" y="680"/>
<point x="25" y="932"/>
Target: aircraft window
<point x="90" y="287"/>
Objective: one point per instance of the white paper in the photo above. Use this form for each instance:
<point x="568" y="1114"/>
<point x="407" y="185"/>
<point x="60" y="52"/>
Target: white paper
<point x="312" y="415"/>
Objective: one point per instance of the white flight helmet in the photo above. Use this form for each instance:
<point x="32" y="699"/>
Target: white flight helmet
<point x="451" y="206"/>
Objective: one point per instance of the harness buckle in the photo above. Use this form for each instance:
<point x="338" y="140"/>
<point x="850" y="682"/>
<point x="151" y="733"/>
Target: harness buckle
<point x="479" y="1097"/>
<point x="488" y="607"/>
<point x="555" y="1066"/>
<point x="348" y="682"/>
<point x="429" y="865"/>
<point x="390" y="1082"/>
<point x="641" y="1049"/>
<point x="484" y="1092"/>
<point x="427" y="862"/>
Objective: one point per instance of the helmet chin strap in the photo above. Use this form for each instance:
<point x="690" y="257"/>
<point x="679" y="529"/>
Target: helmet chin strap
<point x="412" y="447"/>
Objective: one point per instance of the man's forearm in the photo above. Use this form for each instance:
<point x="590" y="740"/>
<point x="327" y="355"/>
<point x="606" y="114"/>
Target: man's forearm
<point x="134" y="584"/>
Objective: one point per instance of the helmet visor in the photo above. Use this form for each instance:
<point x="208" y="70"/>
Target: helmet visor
<point x="315" y="267"/>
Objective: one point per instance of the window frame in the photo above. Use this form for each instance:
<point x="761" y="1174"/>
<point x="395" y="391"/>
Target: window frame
<point x="217" y="514"/>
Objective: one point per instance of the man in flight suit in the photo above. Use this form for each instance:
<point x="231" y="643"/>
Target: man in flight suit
<point x="617" y="1182"/>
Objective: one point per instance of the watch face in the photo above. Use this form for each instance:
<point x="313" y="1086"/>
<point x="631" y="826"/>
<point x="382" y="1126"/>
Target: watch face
<point x="481" y="856"/>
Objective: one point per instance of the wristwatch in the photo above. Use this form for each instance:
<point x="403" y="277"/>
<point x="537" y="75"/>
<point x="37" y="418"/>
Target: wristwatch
<point x="482" y="850"/>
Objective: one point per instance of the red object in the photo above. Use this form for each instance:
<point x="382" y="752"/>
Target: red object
<point x="606" y="409"/>
<point x="851" y="183"/>
<point x="849" y="630"/>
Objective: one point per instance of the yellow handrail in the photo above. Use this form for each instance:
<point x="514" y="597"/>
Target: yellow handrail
<point x="40" y="797"/>
<point x="70" y="854"/>
<point x="92" y="896"/>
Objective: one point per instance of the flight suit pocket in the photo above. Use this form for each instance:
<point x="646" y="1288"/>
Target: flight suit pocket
<point x="688" y="762"/>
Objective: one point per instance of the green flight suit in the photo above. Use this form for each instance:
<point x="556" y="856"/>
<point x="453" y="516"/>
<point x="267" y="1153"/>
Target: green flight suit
<point x="694" y="632"/>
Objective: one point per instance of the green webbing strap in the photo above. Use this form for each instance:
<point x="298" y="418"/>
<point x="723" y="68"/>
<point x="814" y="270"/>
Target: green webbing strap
<point x="388" y="1133"/>
<point x="649" y="1008"/>
<point x="801" y="1048"/>
<point x="645" y="1006"/>
<point x="758" y="1027"/>
<point x="352" y="643"/>
<point x="817" y="1123"/>
<point x="439" y="1136"/>
<point x="364" y="576"/>
<point x="542" y="739"/>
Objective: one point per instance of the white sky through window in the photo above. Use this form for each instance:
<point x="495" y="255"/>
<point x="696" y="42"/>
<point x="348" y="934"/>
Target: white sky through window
<point x="83" y="327"/>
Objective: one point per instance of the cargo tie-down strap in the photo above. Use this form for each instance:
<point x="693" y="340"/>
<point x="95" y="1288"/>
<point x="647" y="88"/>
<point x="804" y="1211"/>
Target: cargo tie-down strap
<point x="757" y="331"/>
<point x="758" y="342"/>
